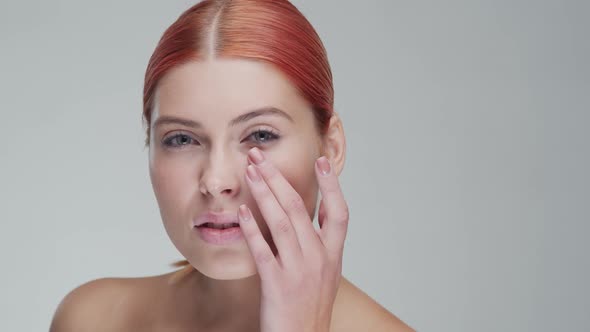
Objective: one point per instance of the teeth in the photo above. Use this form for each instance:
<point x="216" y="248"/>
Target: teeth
<point x="221" y="226"/>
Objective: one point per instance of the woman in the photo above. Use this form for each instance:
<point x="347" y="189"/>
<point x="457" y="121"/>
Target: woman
<point x="242" y="137"/>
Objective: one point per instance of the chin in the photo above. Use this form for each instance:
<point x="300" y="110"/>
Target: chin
<point x="228" y="268"/>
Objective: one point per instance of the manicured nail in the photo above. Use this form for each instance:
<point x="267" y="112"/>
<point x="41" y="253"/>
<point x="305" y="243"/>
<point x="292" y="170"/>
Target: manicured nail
<point x="252" y="173"/>
<point x="323" y="165"/>
<point x="257" y="156"/>
<point x="244" y="214"/>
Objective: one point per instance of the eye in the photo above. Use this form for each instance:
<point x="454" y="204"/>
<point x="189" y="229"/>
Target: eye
<point x="178" y="140"/>
<point x="263" y="136"/>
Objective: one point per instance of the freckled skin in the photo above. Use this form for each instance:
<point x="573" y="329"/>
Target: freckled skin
<point x="207" y="173"/>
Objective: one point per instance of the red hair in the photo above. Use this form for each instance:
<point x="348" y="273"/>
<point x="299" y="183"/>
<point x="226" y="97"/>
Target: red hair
<point x="273" y="31"/>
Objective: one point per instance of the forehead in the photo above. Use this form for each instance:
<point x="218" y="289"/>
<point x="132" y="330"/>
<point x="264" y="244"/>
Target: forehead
<point x="226" y="88"/>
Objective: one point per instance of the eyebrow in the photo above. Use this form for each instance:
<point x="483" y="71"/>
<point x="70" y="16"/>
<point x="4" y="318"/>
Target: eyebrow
<point x="168" y="119"/>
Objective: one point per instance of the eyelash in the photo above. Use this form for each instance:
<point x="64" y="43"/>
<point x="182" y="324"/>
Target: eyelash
<point x="168" y="142"/>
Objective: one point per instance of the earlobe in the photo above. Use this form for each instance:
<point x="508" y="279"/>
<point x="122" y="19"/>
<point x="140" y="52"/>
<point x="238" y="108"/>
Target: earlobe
<point x="334" y="144"/>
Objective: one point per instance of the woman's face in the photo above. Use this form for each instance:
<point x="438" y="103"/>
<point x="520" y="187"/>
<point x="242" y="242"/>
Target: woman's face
<point x="197" y="165"/>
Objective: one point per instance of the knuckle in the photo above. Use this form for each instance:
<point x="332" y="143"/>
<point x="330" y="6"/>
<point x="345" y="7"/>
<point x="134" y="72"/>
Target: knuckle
<point x="296" y="204"/>
<point x="343" y="216"/>
<point x="284" y="225"/>
<point x="263" y="257"/>
<point x="345" y="213"/>
<point x="332" y="188"/>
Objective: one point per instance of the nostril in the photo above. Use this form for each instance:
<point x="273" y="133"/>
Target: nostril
<point x="228" y="192"/>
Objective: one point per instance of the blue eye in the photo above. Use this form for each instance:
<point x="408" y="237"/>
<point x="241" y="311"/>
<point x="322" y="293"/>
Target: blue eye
<point x="260" y="136"/>
<point x="263" y="136"/>
<point x="178" y="141"/>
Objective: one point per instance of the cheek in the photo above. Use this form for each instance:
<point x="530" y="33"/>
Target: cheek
<point x="301" y="176"/>
<point x="169" y="182"/>
<point x="296" y="161"/>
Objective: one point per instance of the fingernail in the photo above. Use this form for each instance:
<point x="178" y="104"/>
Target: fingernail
<point x="323" y="165"/>
<point x="252" y="173"/>
<point x="257" y="156"/>
<point x="244" y="212"/>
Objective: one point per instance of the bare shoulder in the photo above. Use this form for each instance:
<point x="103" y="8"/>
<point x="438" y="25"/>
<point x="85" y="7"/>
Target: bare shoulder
<point x="105" y="304"/>
<point x="354" y="310"/>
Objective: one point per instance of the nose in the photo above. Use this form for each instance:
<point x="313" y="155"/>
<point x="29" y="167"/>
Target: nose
<point x="220" y="176"/>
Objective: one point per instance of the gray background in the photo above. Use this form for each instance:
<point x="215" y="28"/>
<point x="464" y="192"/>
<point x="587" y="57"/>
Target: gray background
<point x="467" y="169"/>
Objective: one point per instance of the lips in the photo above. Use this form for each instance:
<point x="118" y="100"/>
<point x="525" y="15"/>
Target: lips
<point x="218" y="228"/>
<point x="219" y="220"/>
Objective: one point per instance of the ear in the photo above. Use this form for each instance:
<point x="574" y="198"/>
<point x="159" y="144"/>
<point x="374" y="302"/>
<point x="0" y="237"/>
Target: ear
<point x="334" y="144"/>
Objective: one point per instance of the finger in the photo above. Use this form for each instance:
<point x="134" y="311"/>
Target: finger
<point x="277" y="220"/>
<point x="290" y="201"/>
<point x="321" y="214"/>
<point x="335" y="221"/>
<point x="264" y="258"/>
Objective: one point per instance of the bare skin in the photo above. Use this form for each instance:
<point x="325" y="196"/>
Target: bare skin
<point x="203" y="170"/>
<point x="165" y="303"/>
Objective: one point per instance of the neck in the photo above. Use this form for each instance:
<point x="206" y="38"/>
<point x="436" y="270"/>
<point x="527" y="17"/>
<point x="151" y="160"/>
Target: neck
<point x="218" y="304"/>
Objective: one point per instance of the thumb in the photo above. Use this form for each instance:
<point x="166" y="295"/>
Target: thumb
<point x="321" y="213"/>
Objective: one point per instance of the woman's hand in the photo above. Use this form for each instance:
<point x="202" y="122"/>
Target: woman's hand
<point x="299" y="285"/>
